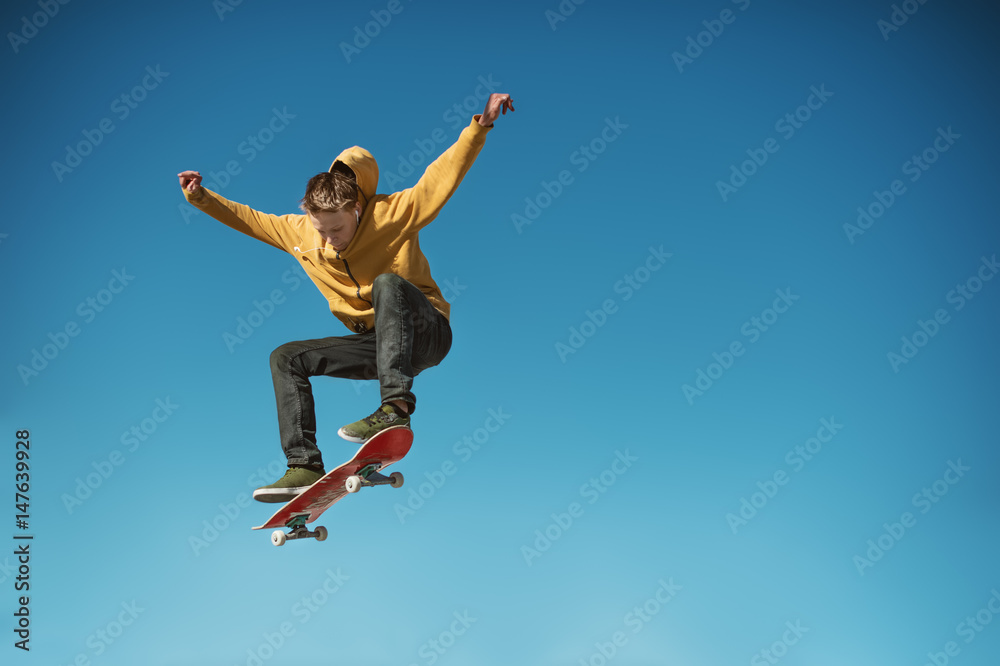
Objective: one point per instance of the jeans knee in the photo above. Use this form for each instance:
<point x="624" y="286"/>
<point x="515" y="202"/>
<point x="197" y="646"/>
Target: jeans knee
<point x="387" y="281"/>
<point x="283" y="356"/>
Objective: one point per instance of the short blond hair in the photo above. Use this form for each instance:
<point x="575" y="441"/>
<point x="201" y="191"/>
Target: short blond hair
<point x="330" y="192"/>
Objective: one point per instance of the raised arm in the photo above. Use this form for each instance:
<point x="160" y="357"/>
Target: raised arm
<point x="272" y="229"/>
<point x="417" y="206"/>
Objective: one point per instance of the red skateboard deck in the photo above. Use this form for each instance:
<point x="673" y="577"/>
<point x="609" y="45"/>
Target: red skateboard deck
<point x="377" y="453"/>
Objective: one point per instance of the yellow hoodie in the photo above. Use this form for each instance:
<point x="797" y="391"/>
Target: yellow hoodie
<point x="386" y="239"/>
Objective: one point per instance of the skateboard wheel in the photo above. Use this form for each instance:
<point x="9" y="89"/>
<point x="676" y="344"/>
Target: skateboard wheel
<point x="278" y="538"/>
<point x="395" y="479"/>
<point x="353" y="484"/>
<point x="321" y="533"/>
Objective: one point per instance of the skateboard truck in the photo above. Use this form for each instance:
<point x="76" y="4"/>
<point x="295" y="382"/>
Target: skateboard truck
<point x="369" y="476"/>
<point x="299" y="531"/>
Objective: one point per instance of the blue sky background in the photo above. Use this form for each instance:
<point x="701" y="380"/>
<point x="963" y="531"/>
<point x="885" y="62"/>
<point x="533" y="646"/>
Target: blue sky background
<point x="402" y="578"/>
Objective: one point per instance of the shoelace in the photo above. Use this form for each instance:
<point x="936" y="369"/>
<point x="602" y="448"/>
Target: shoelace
<point x="378" y="416"/>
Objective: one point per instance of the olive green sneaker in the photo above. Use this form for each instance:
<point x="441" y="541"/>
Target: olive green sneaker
<point x="386" y="416"/>
<point x="290" y="486"/>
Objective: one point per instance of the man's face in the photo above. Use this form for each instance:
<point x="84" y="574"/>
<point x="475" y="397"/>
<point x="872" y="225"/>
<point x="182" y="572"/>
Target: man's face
<point x="336" y="229"/>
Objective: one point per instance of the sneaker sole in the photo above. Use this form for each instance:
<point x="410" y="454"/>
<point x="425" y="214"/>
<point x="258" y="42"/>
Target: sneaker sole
<point x="277" y="495"/>
<point x="350" y="438"/>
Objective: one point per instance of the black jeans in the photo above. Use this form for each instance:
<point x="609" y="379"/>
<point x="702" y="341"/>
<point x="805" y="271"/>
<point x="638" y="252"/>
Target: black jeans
<point x="409" y="337"/>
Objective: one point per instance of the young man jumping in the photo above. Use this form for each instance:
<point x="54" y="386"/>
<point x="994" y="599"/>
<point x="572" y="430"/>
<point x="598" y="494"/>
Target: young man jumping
<point x="361" y="250"/>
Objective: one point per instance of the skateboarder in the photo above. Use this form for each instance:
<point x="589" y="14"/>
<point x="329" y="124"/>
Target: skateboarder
<point x="362" y="252"/>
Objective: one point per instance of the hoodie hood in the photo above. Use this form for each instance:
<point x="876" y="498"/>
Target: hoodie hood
<point x="365" y="169"/>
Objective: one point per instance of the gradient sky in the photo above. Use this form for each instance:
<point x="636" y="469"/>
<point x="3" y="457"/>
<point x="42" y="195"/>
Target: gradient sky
<point x="739" y="420"/>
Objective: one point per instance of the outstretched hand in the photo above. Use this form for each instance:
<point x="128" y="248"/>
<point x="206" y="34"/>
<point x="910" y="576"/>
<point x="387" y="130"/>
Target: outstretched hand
<point x="497" y="103"/>
<point x="190" y="180"/>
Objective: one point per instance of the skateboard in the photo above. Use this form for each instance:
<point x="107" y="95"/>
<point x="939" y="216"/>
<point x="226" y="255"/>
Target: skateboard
<point x="362" y="470"/>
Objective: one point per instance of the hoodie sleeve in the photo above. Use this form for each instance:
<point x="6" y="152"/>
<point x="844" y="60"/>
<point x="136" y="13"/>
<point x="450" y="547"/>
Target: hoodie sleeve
<point x="274" y="230"/>
<point x="417" y="206"/>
